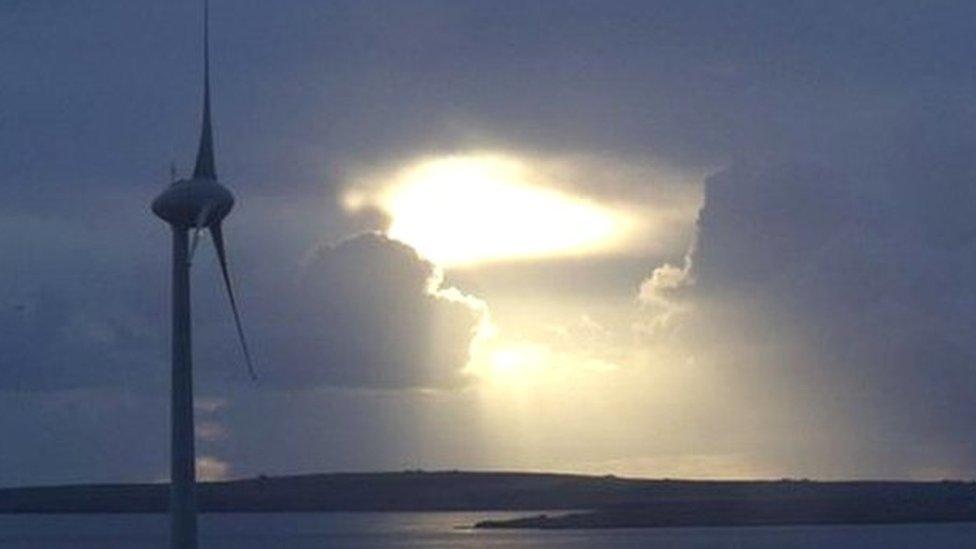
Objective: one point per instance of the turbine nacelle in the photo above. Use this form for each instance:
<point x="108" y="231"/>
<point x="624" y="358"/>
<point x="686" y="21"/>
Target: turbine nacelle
<point x="195" y="203"/>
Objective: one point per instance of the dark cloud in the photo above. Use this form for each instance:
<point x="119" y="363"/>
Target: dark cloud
<point x="838" y="305"/>
<point x="85" y="364"/>
<point x="366" y="312"/>
<point x="81" y="306"/>
<point x="369" y="312"/>
<point x="51" y="343"/>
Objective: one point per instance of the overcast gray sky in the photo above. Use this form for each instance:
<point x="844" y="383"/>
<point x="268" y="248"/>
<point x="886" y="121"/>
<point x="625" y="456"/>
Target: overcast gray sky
<point x="799" y="300"/>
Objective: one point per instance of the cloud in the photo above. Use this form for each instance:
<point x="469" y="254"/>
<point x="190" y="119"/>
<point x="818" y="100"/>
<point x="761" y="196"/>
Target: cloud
<point x="836" y="308"/>
<point x="663" y="295"/>
<point x="369" y="312"/>
<point x="72" y="313"/>
<point x="210" y="431"/>
<point x="210" y="468"/>
<point x="366" y="312"/>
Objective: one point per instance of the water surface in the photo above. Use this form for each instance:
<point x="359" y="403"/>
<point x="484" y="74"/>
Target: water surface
<point x="443" y="530"/>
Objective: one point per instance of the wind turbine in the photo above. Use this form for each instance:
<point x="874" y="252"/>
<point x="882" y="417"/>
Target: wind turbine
<point x="192" y="205"/>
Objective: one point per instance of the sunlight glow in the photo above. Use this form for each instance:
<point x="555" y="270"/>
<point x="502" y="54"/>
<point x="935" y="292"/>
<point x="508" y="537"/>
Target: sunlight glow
<point x="465" y="210"/>
<point x="517" y="361"/>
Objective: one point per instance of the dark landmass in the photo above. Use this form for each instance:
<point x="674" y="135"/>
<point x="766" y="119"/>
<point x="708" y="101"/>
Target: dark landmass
<point x="615" y="502"/>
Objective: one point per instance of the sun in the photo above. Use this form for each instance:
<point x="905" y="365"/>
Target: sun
<point x="466" y="210"/>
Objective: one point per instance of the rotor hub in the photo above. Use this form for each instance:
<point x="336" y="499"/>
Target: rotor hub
<point x="196" y="202"/>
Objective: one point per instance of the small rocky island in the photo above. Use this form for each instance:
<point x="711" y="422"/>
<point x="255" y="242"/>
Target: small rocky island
<point x="868" y="508"/>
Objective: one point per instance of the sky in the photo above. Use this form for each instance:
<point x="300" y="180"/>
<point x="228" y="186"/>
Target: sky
<point x="662" y="239"/>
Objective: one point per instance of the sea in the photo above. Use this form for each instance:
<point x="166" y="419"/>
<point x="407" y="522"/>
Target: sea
<point x="446" y="530"/>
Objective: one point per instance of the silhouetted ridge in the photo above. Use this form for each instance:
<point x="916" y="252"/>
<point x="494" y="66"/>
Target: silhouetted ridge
<point x="616" y="500"/>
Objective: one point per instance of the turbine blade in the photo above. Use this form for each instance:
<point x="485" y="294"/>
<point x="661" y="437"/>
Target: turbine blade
<point x="195" y="240"/>
<point x="205" y="166"/>
<point x="198" y="227"/>
<point x="218" y="237"/>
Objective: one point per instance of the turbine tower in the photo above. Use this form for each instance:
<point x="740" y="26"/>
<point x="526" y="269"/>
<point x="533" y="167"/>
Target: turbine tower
<point x="192" y="205"/>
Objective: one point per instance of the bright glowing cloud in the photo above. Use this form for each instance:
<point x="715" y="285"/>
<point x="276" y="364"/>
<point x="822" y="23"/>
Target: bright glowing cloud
<point x="210" y="468"/>
<point x="464" y="210"/>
